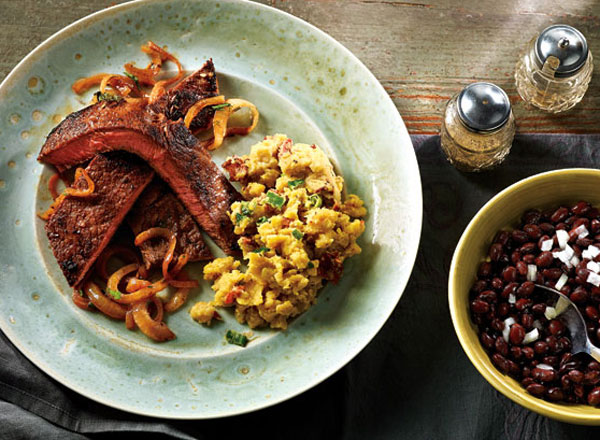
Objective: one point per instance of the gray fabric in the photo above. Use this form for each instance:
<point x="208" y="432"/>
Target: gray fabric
<point x="413" y="381"/>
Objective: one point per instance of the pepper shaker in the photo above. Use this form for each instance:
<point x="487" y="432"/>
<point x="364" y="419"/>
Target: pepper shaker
<point x="555" y="70"/>
<point x="478" y="127"/>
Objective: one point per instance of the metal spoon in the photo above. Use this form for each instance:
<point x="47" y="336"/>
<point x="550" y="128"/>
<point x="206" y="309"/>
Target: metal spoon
<point x="576" y="325"/>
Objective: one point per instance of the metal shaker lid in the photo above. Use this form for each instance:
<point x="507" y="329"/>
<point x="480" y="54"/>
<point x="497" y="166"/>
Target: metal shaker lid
<point x="565" y="43"/>
<point x="483" y="106"/>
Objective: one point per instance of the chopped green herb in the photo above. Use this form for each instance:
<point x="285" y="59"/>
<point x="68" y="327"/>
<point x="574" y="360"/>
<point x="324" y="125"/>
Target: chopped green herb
<point x="236" y="338"/>
<point x="260" y="250"/>
<point x="294" y="183"/>
<point x="310" y="265"/>
<point x="297" y="234"/>
<point x="275" y="200"/>
<point x="114" y="293"/>
<point x="220" y="106"/>
<point x="245" y="210"/>
<point x="80" y="292"/>
<point x="315" y="200"/>
<point x="91" y="305"/>
<point x="106" y="97"/>
<point x="262" y="220"/>
<point x="134" y="78"/>
<point x="239" y="217"/>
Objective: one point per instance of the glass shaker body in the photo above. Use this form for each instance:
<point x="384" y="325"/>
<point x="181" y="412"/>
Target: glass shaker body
<point x="544" y="87"/>
<point x="470" y="150"/>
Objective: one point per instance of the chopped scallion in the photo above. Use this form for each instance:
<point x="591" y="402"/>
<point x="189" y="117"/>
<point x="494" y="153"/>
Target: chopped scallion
<point x="236" y="338"/>
<point x="220" y="106"/>
<point x="275" y="200"/>
<point x="297" y="234"/>
<point x="114" y="293"/>
<point x="262" y="220"/>
<point x="315" y="200"/>
<point x="260" y="250"/>
<point x="294" y="183"/>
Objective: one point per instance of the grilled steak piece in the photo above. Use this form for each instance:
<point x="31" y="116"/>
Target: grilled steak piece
<point x="81" y="227"/>
<point x="175" y="103"/>
<point x="158" y="207"/>
<point x="168" y="147"/>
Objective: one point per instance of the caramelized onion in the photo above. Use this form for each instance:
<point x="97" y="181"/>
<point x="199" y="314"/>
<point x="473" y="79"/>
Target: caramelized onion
<point x="134" y="284"/>
<point x="84" y="84"/>
<point x="152" y="233"/>
<point x="129" y="321"/>
<point x="52" y="181"/>
<point x="111" y="251"/>
<point x="152" y="328"/>
<point x="104" y="303"/>
<point x="199" y="106"/>
<point x="80" y="301"/>
<point x="81" y="192"/>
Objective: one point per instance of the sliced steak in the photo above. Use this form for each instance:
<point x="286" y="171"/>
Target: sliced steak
<point x="158" y="207"/>
<point x="81" y="227"/>
<point x="175" y="103"/>
<point x="168" y="147"/>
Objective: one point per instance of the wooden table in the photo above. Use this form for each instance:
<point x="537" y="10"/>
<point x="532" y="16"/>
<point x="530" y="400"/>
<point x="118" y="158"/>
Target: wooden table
<point x="422" y="53"/>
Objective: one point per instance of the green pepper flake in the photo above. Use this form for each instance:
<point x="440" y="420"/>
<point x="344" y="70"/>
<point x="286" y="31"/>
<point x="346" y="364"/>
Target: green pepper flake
<point x="106" y="97"/>
<point x="297" y="234"/>
<point x="262" y="220"/>
<point x="260" y="250"/>
<point x="220" y="106"/>
<point x="236" y="338"/>
<point x="294" y="183"/>
<point x="114" y="293"/>
<point x="310" y="265"/>
<point x="275" y="200"/>
<point x="134" y="78"/>
<point x="315" y="200"/>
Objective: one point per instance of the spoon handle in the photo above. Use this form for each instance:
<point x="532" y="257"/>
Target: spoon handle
<point x="594" y="352"/>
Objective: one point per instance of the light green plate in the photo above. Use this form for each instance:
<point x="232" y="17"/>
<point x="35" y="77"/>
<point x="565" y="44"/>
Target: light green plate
<point x="306" y="85"/>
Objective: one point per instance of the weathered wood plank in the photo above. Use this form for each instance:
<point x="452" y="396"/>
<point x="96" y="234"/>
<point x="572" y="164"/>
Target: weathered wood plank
<point x="422" y="52"/>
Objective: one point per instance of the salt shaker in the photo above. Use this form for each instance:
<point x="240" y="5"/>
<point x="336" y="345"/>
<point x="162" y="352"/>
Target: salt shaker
<point x="478" y="127"/>
<point x="554" y="71"/>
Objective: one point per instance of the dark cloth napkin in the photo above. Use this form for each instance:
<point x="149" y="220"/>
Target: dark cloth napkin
<point x="412" y="381"/>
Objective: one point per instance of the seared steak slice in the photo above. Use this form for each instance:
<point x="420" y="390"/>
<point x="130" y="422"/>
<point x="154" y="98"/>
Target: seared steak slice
<point x="81" y="227"/>
<point x="175" y="103"/>
<point x="168" y="147"/>
<point x="158" y="207"/>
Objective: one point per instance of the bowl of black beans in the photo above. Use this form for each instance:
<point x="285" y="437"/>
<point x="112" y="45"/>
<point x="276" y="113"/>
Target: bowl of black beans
<point x="541" y="231"/>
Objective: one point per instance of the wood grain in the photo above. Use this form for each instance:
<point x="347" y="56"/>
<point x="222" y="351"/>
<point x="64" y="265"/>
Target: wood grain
<point x="422" y="52"/>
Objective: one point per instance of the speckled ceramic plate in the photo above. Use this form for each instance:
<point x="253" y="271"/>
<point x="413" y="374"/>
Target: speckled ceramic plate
<point x="305" y="85"/>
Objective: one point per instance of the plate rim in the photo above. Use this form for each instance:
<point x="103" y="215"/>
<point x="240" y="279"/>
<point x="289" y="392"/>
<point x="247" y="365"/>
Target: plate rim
<point x="410" y="256"/>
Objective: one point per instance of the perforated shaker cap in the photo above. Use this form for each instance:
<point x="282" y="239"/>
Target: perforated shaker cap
<point x="565" y="43"/>
<point x="483" y="106"/>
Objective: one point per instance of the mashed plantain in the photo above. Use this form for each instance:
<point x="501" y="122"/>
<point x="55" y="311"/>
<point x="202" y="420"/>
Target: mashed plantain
<point x="295" y="232"/>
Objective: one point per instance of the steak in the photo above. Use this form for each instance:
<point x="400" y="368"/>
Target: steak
<point x="167" y="146"/>
<point x="176" y="102"/>
<point x="158" y="207"/>
<point x="81" y="227"/>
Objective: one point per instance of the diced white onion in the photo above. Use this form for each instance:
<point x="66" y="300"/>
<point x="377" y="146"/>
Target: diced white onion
<point x="591" y="252"/>
<point x="593" y="266"/>
<point x="562" y="256"/>
<point x="547" y="245"/>
<point x="507" y="323"/>
<point x="531" y="272"/>
<point x="582" y="231"/>
<point x="512" y="298"/>
<point x="531" y="336"/>
<point x="550" y="313"/>
<point x="593" y="278"/>
<point x="569" y="252"/>
<point x="544" y="367"/>
<point x="561" y="305"/>
<point x="561" y="281"/>
<point x="574" y="260"/>
<point x="562" y="237"/>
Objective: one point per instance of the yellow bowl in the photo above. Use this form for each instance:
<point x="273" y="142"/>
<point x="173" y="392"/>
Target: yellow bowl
<point x="541" y="191"/>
